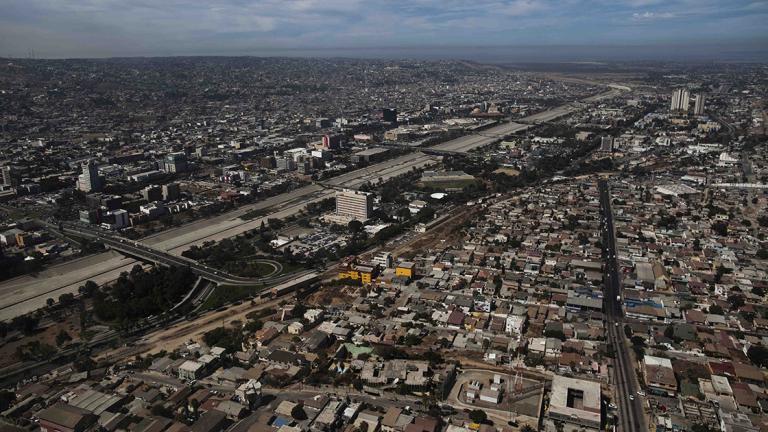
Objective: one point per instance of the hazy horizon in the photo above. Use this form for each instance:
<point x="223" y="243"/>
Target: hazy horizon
<point x="486" y="30"/>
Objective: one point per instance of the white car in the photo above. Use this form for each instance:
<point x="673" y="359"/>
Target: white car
<point x="640" y="393"/>
<point x="631" y="397"/>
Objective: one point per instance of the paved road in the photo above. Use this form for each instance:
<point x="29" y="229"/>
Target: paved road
<point x="631" y="417"/>
<point x="28" y="293"/>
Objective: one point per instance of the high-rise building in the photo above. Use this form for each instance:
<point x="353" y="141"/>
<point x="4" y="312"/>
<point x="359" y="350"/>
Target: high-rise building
<point x="332" y="141"/>
<point x="698" y="106"/>
<point x="89" y="180"/>
<point x="152" y="193"/>
<point x="9" y="176"/>
<point x="354" y="205"/>
<point x="681" y="98"/>
<point x="606" y="144"/>
<point x="171" y="192"/>
<point x="175" y="162"/>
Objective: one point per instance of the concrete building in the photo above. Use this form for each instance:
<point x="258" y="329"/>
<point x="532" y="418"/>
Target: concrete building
<point x="191" y="370"/>
<point x="9" y="176"/>
<point x="89" y="180"/>
<point x="659" y="375"/>
<point x="680" y="100"/>
<point x="698" y="106"/>
<point x="354" y="205"/>
<point x="171" y="192"/>
<point x="152" y="193"/>
<point x="175" y="162"/>
<point x="574" y="403"/>
<point x="332" y="141"/>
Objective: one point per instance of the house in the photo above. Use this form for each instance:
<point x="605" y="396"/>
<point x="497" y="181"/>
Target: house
<point x="65" y="418"/>
<point x="191" y="370"/>
<point x="286" y="358"/>
<point x="210" y="421"/>
<point x="370" y="419"/>
<point x="423" y="424"/>
<point x="295" y="328"/>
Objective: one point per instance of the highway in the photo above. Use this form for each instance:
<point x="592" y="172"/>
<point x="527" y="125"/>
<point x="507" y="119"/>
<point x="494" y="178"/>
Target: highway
<point x="139" y="250"/>
<point x="28" y="293"/>
<point x="630" y="408"/>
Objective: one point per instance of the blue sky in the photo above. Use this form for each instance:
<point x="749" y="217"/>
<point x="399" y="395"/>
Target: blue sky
<point x="101" y="28"/>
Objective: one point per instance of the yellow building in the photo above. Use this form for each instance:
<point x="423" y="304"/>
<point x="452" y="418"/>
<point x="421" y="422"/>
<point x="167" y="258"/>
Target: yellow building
<point x="405" y="269"/>
<point x="364" y="274"/>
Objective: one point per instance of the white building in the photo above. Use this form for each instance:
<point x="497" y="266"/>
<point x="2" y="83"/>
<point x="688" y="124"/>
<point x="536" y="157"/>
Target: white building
<point x="354" y="205"/>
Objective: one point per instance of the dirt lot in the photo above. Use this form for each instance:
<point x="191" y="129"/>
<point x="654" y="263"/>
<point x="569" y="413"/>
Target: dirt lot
<point x="178" y="334"/>
<point x="46" y="335"/>
<point x="442" y="235"/>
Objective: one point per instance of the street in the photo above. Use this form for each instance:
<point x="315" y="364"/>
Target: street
<point x="630" y="408"/>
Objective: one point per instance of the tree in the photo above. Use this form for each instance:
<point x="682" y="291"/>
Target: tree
<point x="25" y="323"/>
<point x="527" y="428"/>
<point x="720" y="228"/>
<point x="758" y="291"/>
<point x="478" y="416"/>
<point x="736" y="301"/>
<point x="758" y="354"/>
<point x="298" y="412"/>
<point x="49" y="302"/>
<point x="716" y="310"/>
<point x="354" y="226"/>
<point x="62" y="337"/>
<point x="701" y="427"/>
<point x="6" y="398"/>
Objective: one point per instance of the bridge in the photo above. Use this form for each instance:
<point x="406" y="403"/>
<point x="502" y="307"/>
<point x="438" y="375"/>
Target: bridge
<point x="141" y="251"/>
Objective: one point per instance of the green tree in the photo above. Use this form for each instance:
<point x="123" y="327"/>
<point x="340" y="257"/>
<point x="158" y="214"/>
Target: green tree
<point x="758" y="354"/>
<point x="298" y="412"/>
<point x="62" y="337"/>
<point x="478" y="416"/>
<point x="354" y="226"/>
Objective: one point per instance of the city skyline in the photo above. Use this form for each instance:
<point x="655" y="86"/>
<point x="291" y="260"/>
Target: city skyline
<point x="490" y="30"/>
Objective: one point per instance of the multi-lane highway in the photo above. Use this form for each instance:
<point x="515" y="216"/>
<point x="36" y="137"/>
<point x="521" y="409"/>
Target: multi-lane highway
<point x="27" y="293"/>
<point x="629" y="402"/>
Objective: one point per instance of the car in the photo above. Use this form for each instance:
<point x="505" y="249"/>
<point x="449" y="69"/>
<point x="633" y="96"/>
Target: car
<point x="631" y="397"/>
<point x="640" y="393"/>
<point x="612" y="406"/>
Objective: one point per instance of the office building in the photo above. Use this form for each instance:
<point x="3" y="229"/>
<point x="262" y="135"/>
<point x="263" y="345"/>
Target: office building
<point x="332" y="142"/>
<point x="152" y="193"/>
<point x="89" y="180"/>
<point x="171" y="192"/>
<point x="285" y="164"/>
<point x="354" y="205"/>
<point x="175" y="162"/>
<point x="680" y="100"/>
<point x="698" y="106"/>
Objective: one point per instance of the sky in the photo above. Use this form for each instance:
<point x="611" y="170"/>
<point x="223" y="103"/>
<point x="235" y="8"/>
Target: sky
<point x="528" y="30"/>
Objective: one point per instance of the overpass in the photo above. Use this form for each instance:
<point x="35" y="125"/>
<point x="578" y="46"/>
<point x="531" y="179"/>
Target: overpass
<point x="143" y="252"/>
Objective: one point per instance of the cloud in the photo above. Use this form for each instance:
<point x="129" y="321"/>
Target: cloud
<point x="162" y="27"/>
<point x="652" y="16"/>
